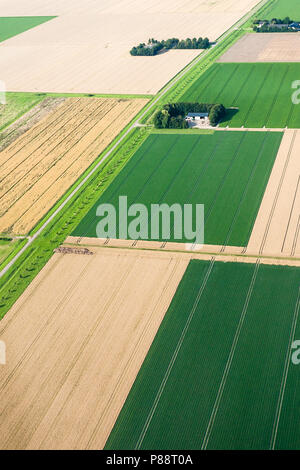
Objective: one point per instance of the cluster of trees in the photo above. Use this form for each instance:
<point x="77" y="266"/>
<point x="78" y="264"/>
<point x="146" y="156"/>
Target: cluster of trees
<point x="274" y="25"/>
<point x="153" y="46"/>
<point x="172" y="115"/>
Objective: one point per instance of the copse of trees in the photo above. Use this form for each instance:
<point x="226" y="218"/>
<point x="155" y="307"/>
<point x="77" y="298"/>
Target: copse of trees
<point x="153" y="46"/>
<point x="172" y="115"/>
<point x="275" y="25"/>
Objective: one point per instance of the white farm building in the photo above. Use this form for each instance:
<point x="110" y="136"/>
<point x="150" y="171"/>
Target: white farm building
<point x="198" y="119"/>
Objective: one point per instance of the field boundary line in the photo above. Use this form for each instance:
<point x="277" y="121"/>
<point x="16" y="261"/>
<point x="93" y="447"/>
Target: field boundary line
<point x="230" y="359"/>
<point x="174" y="356"/>
<point x="285" y="374"/>
<point x="287" y="161"/>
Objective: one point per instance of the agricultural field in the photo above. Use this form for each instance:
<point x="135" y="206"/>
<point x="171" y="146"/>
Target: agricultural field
<point x="260" y="93"/>
<point x="219" y="373"/>
<point x="199" y="169"/>
<point x="277" y="226"/>
<point x="265" y="47"/>
<point x="72" y="53"/>
<point x="76" y="341"/>
<point x="281" y="9"/>
<point x="12" y="26"/>
<point x="39" y="167"/>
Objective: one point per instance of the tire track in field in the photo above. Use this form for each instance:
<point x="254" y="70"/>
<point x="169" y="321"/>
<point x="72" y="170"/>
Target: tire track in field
<point x="230" y="359"/>
<point x="221" y="185"/>
<point x="242" y="86"/>
<point x="78" y="353"/>
<point x="266" y="232"/>
<point x="27" y="352"/>
<point x="149" y="177"/>
<point x="52" y="150"/>
<point x="61" y="157"/>
<point x="139" y="342"/>
<point x="87" y="156"/>
<point x="276" y="95"/>
<point x="171" y="183"/>
<point x="285" y="375"/>
<point x="206" y="164"/>
<point x="47" y="105"/>
<point x="257" y="93"/>
<point x="66" y="172"/>
<point x="291" y="213"/>
<point x="23" y="157"/>
<point x="295" y="241"/>
<point x="238" y="210"/>
<point x="226" y="83"/>
<point x="42" y="128"/>
<point x="174" y="357"/>
<point x="123" y="181"/>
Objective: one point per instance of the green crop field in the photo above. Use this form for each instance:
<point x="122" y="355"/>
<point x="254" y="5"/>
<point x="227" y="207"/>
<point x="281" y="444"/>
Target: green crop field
<point x="281" y="9"/>
<point x="12" y="25"/>
<point x="214" y="377"/>
<point x="261" y="92"/>
<point x="226" y="171"/>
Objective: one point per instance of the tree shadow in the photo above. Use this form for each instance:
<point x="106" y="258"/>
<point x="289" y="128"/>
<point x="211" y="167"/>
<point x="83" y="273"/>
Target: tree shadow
<point x="230" y="113"/>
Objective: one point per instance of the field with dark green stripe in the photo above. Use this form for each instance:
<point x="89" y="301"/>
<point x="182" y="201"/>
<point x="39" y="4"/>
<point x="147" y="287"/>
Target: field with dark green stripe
<point x="261" y="92"/>
<point x="214" y="375"/>
<point x="225" y="171"/>
<point x="12" y="25"/>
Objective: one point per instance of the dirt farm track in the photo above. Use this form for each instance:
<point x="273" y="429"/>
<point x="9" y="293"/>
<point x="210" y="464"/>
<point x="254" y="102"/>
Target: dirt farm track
<point x="38" y="167"/>
<point x="76" y="340"/>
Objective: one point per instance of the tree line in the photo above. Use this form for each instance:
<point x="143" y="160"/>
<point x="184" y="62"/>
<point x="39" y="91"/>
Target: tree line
<point x="274" y="25"/>
<point x="172" y="115"/>
<point x="153" y="46"/>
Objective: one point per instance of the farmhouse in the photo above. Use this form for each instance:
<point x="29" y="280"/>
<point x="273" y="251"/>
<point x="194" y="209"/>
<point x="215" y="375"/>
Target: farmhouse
<point x="196" y="119"/>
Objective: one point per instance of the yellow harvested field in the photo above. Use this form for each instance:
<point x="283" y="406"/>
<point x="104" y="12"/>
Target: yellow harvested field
<point x="277" y="226"/>
<point x="86" y="48"/>
<point x="39" y="167"/>
<point x="75" y="342"/>
<point x="265" y="47"/>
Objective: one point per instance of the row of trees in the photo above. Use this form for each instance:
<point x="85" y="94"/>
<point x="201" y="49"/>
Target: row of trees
<point x="153" y="46"/>
<point x="172" y="115"/>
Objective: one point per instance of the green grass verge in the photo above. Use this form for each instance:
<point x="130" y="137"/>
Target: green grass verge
<point x="261" y="92"/>
<point x="175" y="393"/>
<point x="12" y="25"/>
<point x="198" y="169"/>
